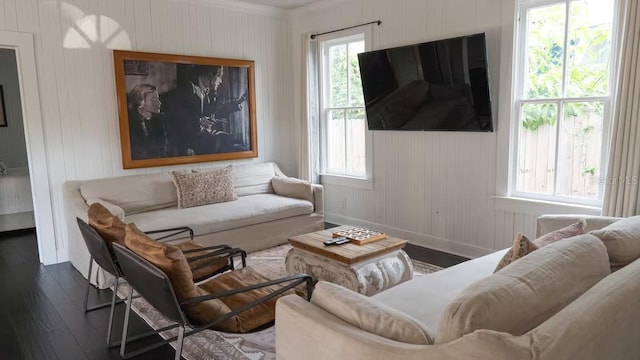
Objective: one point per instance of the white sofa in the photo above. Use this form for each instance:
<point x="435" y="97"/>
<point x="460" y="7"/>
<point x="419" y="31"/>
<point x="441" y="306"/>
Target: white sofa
<point x="559" y="302"/>
<point x="257" y="220"/>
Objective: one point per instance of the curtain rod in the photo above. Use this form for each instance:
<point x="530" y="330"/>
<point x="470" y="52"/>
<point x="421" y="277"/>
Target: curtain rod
<point x="313" y="36"/>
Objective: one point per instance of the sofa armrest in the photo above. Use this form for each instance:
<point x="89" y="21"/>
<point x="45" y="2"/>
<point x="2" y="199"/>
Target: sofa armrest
<point x="548" y="223"/>
<point x="75" y="206"/>
<point x="304" y="331"/>
<point x="318" y="198"/>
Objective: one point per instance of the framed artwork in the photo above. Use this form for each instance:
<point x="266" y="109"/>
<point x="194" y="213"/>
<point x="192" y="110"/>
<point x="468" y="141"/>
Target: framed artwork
<point x="3" y="112"/>
<point x="176" y="109"/>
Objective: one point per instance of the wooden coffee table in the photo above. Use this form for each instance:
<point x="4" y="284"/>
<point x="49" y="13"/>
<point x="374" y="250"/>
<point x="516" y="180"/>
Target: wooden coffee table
<point x="367" y="269"/>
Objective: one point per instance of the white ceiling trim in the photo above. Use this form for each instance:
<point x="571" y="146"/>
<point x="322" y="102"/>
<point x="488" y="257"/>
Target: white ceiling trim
<point x="241" y="6"/>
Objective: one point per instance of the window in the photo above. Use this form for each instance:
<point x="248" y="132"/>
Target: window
<point x="562" y="99"/>
<point x="344" y="134"/>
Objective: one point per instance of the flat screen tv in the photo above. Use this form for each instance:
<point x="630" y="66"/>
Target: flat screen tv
<point x="437" y="85"/>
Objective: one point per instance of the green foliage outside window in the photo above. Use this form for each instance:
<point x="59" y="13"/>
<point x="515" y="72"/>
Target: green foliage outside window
<point x="587" y="62"/>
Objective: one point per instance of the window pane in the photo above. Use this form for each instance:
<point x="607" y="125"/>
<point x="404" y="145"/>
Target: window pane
<point x="544" y="52"/>
<point x="336" y="151"/>
<point x="355" y="84"/>
<point x="355" y="141"/>
<point x="589" y="47"/>
<point x="537" y="148"/>
<point x="338" y="75"/>
<point x="579" y="149"/>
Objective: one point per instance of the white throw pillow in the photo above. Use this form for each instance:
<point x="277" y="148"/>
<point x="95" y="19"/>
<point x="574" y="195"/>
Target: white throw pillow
<point x="370" y="315"/>
<point x="292" y="187"/>
<point x="622" y="239"/>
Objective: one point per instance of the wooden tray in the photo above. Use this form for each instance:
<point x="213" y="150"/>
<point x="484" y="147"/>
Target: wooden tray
<point x="360" y="236"/>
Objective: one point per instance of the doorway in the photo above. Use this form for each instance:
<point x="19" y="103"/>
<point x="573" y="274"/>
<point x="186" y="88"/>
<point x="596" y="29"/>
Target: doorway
<point x="16" y="203"/>
<point x="22" y="46"/>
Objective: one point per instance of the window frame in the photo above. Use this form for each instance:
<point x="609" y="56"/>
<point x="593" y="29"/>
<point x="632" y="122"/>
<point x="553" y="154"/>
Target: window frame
<point x="326" y="177"/>
<point x="517" y="100"/>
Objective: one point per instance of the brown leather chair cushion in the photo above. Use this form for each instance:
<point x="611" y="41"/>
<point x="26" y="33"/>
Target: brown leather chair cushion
<point x="110" y="227"/>
<point x="172" y="262"/>
<point x="205" y="271"/>
<point x="166" y="257"/>
<point x="245" y="321"/>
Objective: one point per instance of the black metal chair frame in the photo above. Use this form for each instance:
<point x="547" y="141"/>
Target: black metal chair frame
<point x="154" y="286"/>
<point x="99" y="252"/>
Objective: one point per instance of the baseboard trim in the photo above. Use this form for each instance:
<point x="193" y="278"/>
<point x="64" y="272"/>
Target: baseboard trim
<point x="432" y="242"/>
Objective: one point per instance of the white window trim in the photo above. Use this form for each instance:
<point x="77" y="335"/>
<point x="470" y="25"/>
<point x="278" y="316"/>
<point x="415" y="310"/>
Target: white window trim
<point x="507" y="198"/>
<point x="365" y="182"/>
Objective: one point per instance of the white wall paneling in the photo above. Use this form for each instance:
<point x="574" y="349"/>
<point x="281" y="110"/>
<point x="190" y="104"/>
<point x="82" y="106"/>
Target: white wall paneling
<point x="73" y="50"/>
<point x="435" y="188"/>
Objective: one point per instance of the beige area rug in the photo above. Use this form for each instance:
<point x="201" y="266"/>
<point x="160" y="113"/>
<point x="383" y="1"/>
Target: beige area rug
<point x="259" y="345"/>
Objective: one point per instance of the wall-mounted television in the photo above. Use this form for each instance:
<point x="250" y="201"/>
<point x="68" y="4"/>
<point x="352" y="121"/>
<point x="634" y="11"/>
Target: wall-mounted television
<point x="437" y="85"/>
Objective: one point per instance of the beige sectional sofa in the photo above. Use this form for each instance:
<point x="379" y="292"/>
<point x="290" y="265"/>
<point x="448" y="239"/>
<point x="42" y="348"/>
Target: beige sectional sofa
<point x="559" y="302"/>
<point x="260" y="218"/>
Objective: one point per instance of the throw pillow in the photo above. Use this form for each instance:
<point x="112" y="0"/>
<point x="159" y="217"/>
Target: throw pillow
<point x="370" y="315"/>
<point x="202" y="188"/>
<point x="292" y="187"/>
<point x="622" y="239"/>
<point x="110" y="227"/>
<point x="523" y="246"/>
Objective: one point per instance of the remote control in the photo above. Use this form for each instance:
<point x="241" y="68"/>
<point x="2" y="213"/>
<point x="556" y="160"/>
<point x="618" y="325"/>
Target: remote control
<point x="336" y="241"/>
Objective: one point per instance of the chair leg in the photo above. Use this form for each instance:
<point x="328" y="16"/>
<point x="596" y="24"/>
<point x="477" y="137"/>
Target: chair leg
<point x="125" y="326"/>
<point x="113" y="307"/>
<point x="179" y="342"/>
<point x="86" y="294"/>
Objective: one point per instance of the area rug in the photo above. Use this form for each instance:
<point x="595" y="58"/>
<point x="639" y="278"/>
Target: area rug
<point x="259" y="345"/>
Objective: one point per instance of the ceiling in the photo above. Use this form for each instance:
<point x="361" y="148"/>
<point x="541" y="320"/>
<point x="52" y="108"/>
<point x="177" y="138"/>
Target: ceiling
<point x="283" y="4"/>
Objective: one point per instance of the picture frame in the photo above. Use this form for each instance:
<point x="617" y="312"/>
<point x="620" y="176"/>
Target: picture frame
<point x="3" y="111"/>
<point x="177" y="109"/>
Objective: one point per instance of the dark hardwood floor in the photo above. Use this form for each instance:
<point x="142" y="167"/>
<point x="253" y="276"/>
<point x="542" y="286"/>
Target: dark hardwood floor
<point x="41" y="307"/>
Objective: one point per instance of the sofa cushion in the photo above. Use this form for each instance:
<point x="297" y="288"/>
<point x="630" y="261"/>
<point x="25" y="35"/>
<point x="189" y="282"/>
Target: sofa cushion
<point x="523" y="246"/>
<point x="205" y="187"/>
<point x="134" y="193"/>
<point x="523" y="295"/>
<point x="436" y="290"/>
<point x="370" y="315"/>
<point x="206" y="219"/>
<point x="254" y="179"/>
<point x="622" y="239"/>
<point x="292" y="187"/>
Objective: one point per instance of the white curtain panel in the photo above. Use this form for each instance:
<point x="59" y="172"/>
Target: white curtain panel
<point x="623" y="174"/>
<point x="310" y="139"/>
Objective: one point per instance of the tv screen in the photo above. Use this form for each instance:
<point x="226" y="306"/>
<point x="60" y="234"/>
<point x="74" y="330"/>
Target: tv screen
<point x="437" y="85"/>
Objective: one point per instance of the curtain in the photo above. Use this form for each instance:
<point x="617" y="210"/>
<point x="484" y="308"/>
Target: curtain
<point x="623" y="173"/>
<point x="310" y="139"/>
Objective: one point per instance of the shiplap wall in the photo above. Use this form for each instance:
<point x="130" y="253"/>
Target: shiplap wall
<point x="73" y="41"/>
<point x="13" y="151"/>
<point x="434" y="188"/>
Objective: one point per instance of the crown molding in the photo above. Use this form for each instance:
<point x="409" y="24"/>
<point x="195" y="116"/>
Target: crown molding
<point x="240" y="6"/>
<point x="317" y="6"/>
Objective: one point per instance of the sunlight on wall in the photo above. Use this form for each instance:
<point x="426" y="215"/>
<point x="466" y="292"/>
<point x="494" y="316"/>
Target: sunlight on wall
<point x="90" y="30"/>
